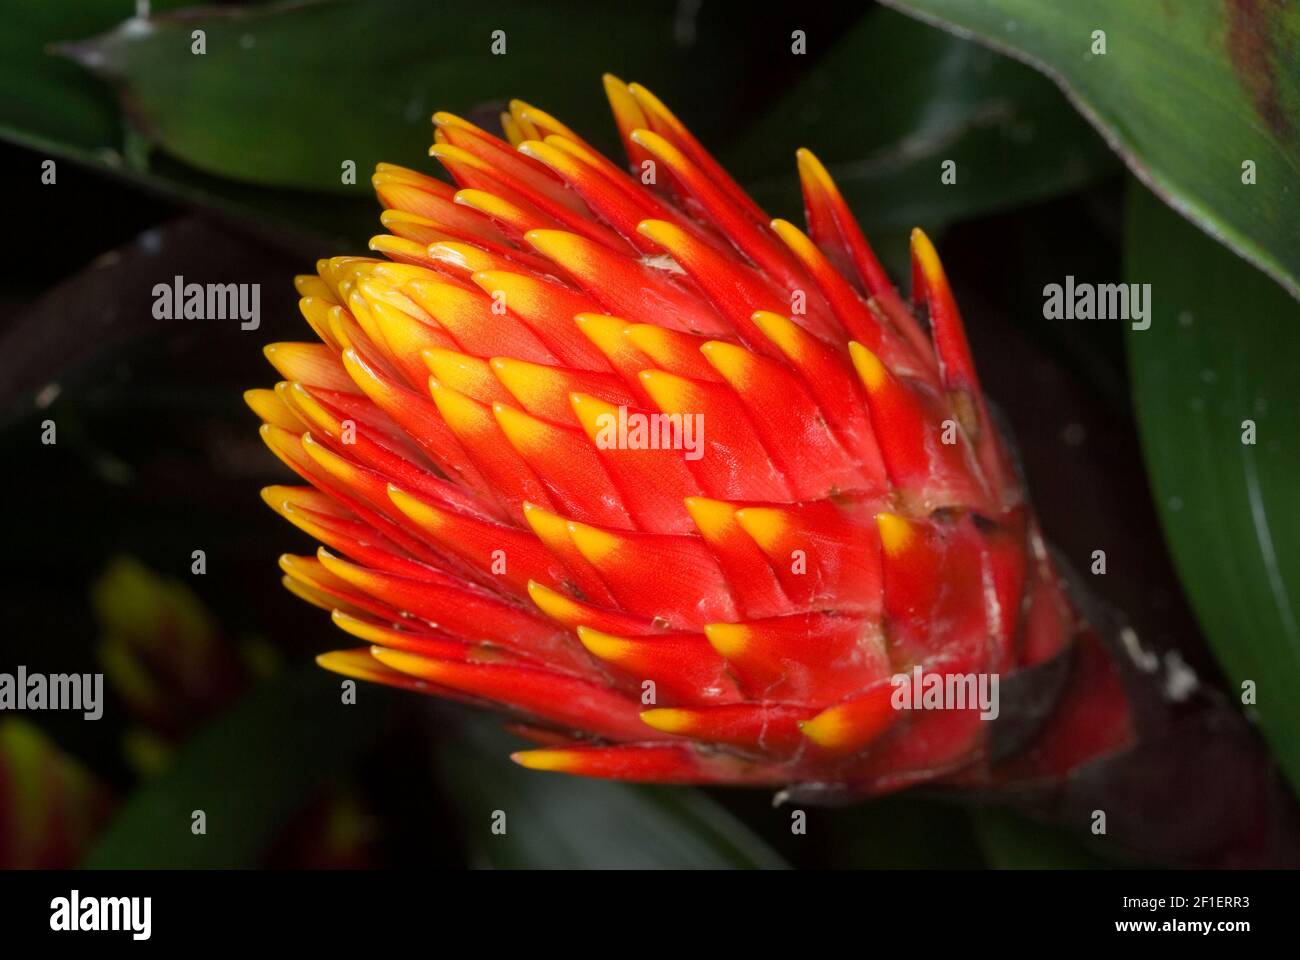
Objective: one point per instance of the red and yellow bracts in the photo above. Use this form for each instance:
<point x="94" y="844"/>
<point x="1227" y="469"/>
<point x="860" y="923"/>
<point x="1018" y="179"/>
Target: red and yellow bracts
<point x="681" y="488"/>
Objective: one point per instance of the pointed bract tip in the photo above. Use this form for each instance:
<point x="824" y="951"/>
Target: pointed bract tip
<point x="603" y="645"/>
<point x="667" y="719"/>
<point x="867" y="364"/>
<point x="729" y="639"/>
<point x="558" y="761"/>
<point x="811" y="168"/>
<point x="826" y="729"/>
<point x="925" y="255"/>
<point x="895" y="532"/>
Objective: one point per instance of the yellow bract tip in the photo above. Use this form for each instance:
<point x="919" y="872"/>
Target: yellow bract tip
<point x="552" y="603"/>
<point x="486" y="203"/>
<point x="549" y="527"/>
<point x="828" y="728"/>
<point x="522" y="431"/>
<point x="462" y="255"/>
<point x="558" y="761"/>
<point x="780" y="330"/>
<point x="349" y="663"/>
<point x="411" y="664"/>
<point x="813" y="172"/>
<point x="794" y="238"/>
<point x="527" y="129"/>
<point x="525" y="381"/>
<point x="360" y="629"/>
<point x="444" y="119"/>
<point x="870" y="370"/>
<point x="337" y="467"/>
<point x="594" y="544"/>
<point x="671" y="393"/>
<point x="605" y="332"/>
<point x="604" y="645"/>
<point x="895" y="533"/>
<point x="589" y="411"/>
<point x="276" y="496"/>
<point x="446" y="152"/>
<point x="736" y="364"/>
<point x="417" y="510"/>
<point x="711" y="517"/>
<point x="510" y="127"/>
<point x="649" y="338"/>
<point x="447" y="366"/>
<point x="559" y="245"/>
<point x="461" y="413"/>
<point x="661" y="232"/>
<point x="538" y="119"/>
<point x="729" y="639"/>
<point x="627" y="112"/>
<point x="668" y="720"/>
<point x="271" y="408"/>
<point x="765" y="525"/>
<point x="928" y="258"/>
<point x="653" y="105"/>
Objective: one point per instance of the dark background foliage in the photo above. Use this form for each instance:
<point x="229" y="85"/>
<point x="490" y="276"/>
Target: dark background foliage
<point x="226" y="167"/>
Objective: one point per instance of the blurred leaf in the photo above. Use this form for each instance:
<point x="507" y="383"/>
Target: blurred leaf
<point x="1186" y="92"/>
<point x="902" y="832"/>
<point x="284" y="95"/>
<point x="51" y="806"/>
<point x="162" y="653"/>
<point x="141" y="609"/>
<point x="48" y="102"/>
<point x="555" y="821"/>
<point x="1224" y="348"/>
<point x="55" y="108"/>
<point x="1010" y="842"/>
<point x="892" y="101"/>
<point x="250" y="770"/>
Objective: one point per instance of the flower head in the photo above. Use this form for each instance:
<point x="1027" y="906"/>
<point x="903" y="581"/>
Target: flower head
<point x="681" y="488"/>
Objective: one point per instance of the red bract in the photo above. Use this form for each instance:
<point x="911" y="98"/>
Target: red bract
<point x="680" y="487"/>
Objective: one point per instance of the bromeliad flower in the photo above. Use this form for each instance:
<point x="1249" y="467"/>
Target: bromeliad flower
<point x="680" y="487"/>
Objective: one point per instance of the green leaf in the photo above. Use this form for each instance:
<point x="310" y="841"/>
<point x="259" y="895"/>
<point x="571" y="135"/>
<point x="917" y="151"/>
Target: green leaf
<point x="52" y="106"/>
<point x="285" y="95"/>
<point x="1010" y="842"/>
<point x="891" y="102"/>
<point x="48" y="101"/>
<point x="1223" y="349"/>
<point x="250" y="770"/>
<point x="1186" y="92"/>
<point x="555" y="821"/>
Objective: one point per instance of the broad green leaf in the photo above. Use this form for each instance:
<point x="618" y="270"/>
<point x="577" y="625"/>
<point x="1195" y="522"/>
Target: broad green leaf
<point x="47" y="101"/>
<point x="1187" y="92"/>
<point x="556" y="821"/>
<point x="250" y="770"/>
<point x="894" y="100"/>
<point x="1221" y="359"/>
<point x="287" y="94"/>
<point x="52" y="106"/>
